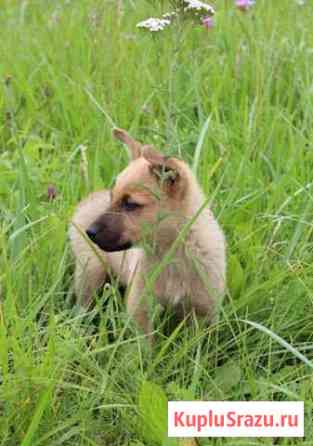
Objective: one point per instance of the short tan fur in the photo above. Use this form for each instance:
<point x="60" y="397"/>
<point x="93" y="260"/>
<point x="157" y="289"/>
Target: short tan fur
<point x="134" y="225"/>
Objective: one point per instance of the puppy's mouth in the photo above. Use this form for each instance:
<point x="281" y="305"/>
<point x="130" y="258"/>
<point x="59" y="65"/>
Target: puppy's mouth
<point x="109" y="247"/>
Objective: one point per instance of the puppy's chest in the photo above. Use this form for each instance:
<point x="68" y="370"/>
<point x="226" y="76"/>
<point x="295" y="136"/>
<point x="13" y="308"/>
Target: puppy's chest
<point x="178" y="282"/>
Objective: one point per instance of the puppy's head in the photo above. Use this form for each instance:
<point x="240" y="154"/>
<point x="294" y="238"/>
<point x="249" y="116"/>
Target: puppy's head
<point x="147" y="200"/>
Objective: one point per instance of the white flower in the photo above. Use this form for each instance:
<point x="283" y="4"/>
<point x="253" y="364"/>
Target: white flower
<point x="154" y="24"/>
<point x="169" y="15"/>
<point x="198" y="7"/>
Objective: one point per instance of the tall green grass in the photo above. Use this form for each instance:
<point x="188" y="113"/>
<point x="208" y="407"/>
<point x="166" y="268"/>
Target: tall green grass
<point x="237" y="104"/>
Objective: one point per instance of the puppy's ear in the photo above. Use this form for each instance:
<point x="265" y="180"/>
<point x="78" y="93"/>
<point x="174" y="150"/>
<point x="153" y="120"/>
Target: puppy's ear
<point x="167" y="171"/>
<point x="135" y="148"/>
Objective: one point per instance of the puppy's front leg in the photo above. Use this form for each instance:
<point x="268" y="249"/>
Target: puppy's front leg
<point x="89" y="277"/>
<point x="137" y="305"/>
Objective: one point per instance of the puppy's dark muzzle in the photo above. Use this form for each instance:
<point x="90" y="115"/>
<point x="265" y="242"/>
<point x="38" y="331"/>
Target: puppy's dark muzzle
<point x="106" y="233"/>
<point x="92" y="232"/>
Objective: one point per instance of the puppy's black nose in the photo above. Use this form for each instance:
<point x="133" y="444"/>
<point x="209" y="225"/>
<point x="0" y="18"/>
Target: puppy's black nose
<point x="92" y="232"/>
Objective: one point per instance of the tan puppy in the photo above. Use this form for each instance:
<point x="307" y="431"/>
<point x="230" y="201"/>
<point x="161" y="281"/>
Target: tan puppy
<point x="153" y="201"/>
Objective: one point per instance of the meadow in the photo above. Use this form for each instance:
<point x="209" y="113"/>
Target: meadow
<point x="236" y="102"/>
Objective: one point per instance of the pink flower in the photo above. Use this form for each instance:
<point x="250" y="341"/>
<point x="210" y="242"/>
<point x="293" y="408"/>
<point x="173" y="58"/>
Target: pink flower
<point x="244" y="5"/>
<point x="51" y="192"/>
<point x="208" y="22"/>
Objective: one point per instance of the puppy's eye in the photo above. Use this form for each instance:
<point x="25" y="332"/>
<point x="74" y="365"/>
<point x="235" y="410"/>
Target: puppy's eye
<point x="130" y="206"/>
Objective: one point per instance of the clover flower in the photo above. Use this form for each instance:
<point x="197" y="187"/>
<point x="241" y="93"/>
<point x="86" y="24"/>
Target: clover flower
<point x="153" y="24"/>
<point x="244" y="5"/>
<point x="51" y="192"/>
<point x="208" y="22"/>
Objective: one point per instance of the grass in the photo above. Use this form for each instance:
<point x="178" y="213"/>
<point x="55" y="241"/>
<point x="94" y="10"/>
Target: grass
<point x="237" y="103"/>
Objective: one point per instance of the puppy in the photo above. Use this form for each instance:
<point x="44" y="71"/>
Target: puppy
<point x="155" y="233"/>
